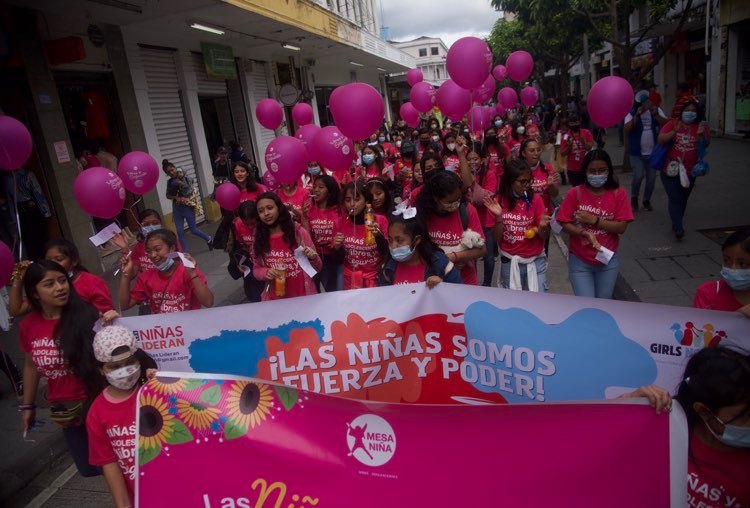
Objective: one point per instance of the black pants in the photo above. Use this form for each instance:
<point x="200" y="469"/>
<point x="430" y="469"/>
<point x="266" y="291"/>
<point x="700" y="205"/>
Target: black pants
<point x="328" y="276"/>
<point x="253" y="288"/>
<point x="77" y="440"/>
<point x="33" y="229"/>
<point x="9" y="367"/>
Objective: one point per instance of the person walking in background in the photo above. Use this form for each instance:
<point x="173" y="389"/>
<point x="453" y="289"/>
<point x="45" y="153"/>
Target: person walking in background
<point x="185" y="203"/>
<point x="574" y="145"/>
<point x="684" y="95"/>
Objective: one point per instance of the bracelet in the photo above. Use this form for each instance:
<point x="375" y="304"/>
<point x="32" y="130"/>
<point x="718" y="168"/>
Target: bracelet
<point x="27" y="407"/>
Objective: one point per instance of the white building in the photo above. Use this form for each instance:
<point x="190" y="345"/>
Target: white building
<point x="430" y="54"/>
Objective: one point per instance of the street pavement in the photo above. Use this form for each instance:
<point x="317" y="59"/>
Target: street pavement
<point x="654" y="268"/>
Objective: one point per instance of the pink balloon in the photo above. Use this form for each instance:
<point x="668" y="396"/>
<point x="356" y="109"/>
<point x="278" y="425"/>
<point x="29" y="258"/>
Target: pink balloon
<point x="269" y="180"/>
<point x="422" y="96"/>
<point x="468" y="62"/>
<point x="357" y="109"/>
<point x="228" y="196"/>
<point x="452" y="99"/>
<point x="307" y="134"/>
<point x="6" y="264"/>
<point x="333" y="149"/>
<point x="610" y="100"/>
<point x="414" y="76"/>
<point x="456" y="117"/>
<point x="507" y="97"/>
<point x="477" y="119"/>
<point x="489" y="113"/>
<point x="500" y="110"/>
<point x="529" y="96"/>
<point x="99" y="192"/>
<point x="519" y="65"/>
<point x="302" y="113"/>
<point x="485" y="92"/>
<point x="286" y="158"/>
<point x="409" y="114"/>
<point x="15" y="143"/>
<point x="269" y="114"/>
<point x="139" y="172"/>
<point x="500" y="72"/>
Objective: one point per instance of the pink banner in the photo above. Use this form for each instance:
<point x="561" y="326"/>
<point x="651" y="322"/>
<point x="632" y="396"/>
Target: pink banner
<point x="218" y="441"/>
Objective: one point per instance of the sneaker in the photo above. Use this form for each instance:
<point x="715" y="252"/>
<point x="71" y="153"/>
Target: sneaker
<point x="679" y="234"/>
<point x="634" y="204"/>
<point x="647" y="206"/>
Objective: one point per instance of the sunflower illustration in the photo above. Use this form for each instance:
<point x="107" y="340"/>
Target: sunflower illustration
<point x="156" y="424"/>
<point x="195" y="415"/>
<point x="168" y="385"/>
<point x="248" y="405"/>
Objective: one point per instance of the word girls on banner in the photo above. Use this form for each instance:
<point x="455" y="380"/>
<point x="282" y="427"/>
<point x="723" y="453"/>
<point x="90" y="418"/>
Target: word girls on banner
<point x="230" y="442"/>
<point x="451" y="344"/>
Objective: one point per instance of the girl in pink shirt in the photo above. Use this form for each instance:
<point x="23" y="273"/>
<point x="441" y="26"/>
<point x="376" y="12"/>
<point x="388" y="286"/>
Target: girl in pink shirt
<point x="293" y="197"/>
<point x="319" y="218"/>
<point x="274" y="253"/>
<point x="241" y="176"/>
<point x="244" y="241"/>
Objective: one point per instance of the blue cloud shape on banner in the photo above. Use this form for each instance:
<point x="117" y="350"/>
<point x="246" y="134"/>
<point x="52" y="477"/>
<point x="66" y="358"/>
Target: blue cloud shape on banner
<point x="587" y="353"/>
<point x="239" y="351"/>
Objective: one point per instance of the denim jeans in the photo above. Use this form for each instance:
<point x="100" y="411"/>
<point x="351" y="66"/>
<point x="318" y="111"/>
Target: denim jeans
<point x="180" y="214"/>
<point x="678" y="198"/>
<point x="77" y="439"/>
<point x="541" y="273"/>
<point x="489" y="257"/>
<point x="642" y="169"/>
<point x="594" y="281"/>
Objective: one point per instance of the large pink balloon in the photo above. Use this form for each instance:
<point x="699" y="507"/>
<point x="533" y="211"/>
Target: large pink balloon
<point x="610" y="100"/>
<point x="453" y="100"/>
<point x="15" y="143"/>
<point x="333" y="149"/>
<point x="485" y="92"/>
<point x="422" y="96"/>
<point x="6" y="264"/>
<point x="409" y="114"/>
<point x="228" y="196"/>
<point x="99" y="192"/>
<point x="519" y="65"/>
<point x="500" y="110"/>
<point x="507" y="97"/>
<point x="529" y="96"/>
<point x="269" y="180"/>
<point x="489" y="113"/>
<point x="286" y="158"/>
<point x="468" y="62"/>
<point x="139" y="172"/>
<point x="477" y="118"/>
<point x="307" y="134"/>
<point x="414" y="76"/>
<point x="357" y="109"/>
<point x="302" y="113"/>
<point x="269" y="114"/>
<point x="500" y="72"/>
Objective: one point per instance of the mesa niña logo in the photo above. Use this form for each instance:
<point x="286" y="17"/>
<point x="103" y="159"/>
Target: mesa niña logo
<point x="371" y="440"/>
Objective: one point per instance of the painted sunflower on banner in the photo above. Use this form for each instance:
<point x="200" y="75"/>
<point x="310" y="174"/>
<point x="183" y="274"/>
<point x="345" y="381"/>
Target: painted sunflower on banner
<point x="248" y="405"/>
<point x="157" y="426"/>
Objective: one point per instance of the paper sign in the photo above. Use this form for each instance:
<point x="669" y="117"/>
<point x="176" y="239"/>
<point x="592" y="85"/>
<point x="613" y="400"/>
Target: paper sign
<point x="304" y="263"/>
<point x="105" y="234"/>
<point x="391" y="174"/>
<point x="185" y="260"/>
<point x="61" y="151"/>
<point x="604" y="255"/>
<point x="245" y="269"/>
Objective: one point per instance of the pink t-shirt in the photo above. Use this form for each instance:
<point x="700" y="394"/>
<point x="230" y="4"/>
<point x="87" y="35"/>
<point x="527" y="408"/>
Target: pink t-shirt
<point x="447" y="232"/>
<point x="717" y="479"/>
<point x="297" y="200"/>
<point x="94" y="290"/>
<point x="452" y="163"/>
<point x="488" y="183"/>
<point x="685" y="144"/>
<point x="513" y="146"/>
<point x="111" y="429"/>
<point x="244" y="234"/>
<point x="281" y="255"/>
<point x="252" y="195"/>
<point x="38" y="340"/>
<point x="406" y="274"/>
<point x="716" y="295"/>
<point x="357" y="255"/>
<point x="322" y="223"/>
<point x="495" y="162"/>
<point x="577" y="143"/>
<point x="540" y="185"/>
<point x="515" y="224"/>
<point x="140" y="258"/>
<point x="612" y="205"/>
<point x="174" y="293"/>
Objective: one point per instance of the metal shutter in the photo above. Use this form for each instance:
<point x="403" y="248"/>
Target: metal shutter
<point x="207" y="87"/>
<point x="260" y="92"/>
<point x="237" y="105"/>
<point x="225" y="121"/>
<point x="165" y="101"/>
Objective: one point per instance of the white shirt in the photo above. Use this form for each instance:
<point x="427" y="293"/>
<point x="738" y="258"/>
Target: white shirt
<point x="647" y="138"/>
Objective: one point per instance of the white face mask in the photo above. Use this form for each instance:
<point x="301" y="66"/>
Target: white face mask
<point x="520" y="129"/>
<point x="436" y="138"/>
<point x="125" y="377"/>
<point x="451" y="146"/>
<point x="398" y="143"/>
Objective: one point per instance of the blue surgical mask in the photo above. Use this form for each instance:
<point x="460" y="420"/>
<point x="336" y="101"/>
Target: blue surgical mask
<point x="166" y="265"/>
<point x="737" y="278"/>
<point x="314" y="170"/>
<point x="733" y="435"/>
<point x="597" y="180"/>
<point x="498" y="123"/>
<point x="147" y="229"/>
<point x="402" y="253"/>
<point x="689" y="116"/>
<point x="381" y="139"/>
<point x="368" y="158"/>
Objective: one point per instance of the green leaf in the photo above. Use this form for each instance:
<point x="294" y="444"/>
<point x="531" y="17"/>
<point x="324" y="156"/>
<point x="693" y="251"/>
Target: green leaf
<point x="147" y="455"/>
<point x="287" y="396"/>
<point x="192" y="384"/>
<point x="211" y="395"/>
<point x="233" y="431"/>
<point x="180" y="433"/>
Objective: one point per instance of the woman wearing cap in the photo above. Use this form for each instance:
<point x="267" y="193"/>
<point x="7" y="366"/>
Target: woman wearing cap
<point x="180" y="191"/>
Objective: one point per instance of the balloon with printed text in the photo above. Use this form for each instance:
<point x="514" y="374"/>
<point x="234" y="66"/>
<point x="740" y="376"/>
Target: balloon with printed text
<point x="15" y="143"/>
<point x="333" y="150"/>
<point x="139" y="172"/>
<point x="286" y="157"/>
<point x="99" y="192"/>
<point x="357" y="109"/>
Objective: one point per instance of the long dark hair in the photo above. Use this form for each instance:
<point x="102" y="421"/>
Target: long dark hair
<point x="414" y="228"/>
<point x="263" y="230"/>
<point x="388" y="202"/>
<point x="496" y="144"/>
<point x="250" y="182"/>
<point x="332" y="186"/>
<point x="740" y="237"/>
<point x="438" y="185"/>
<point x="74" y="329"/>
<point x="148" y="212"/>
<point x="598" y="154"/>
<point x="514" y="169"/>
<point x="357" y="188"/>
<point x="69" y="249"/>
<point x="479" y="150"/>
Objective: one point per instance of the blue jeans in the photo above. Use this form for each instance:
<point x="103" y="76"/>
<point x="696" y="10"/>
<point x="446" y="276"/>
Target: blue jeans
<point x="678" y="198"/>
<point x="594" y="281"/>
<point x="642" y="168"/>
<point x="541" y="273"/>
<point x="180" y="214"/>
<point x="77" y="439"/>
<point x="489" y="257"/>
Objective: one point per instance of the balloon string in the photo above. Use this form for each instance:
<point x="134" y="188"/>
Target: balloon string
<point x="19" y="239"/>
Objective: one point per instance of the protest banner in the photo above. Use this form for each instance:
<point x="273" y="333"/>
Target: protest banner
<point x="452" y="344"/>
<point x="213" y="441"/>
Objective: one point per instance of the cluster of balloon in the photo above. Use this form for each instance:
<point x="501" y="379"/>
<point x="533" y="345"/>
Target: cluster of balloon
<point x="99" y="192"/>
<point x="422" y="96"/>
<point x="610" y="100"/>
<point x="307" y="134"/>
<point x="453" y="100"/>
<point x="486" y="90"/>
<point x="409" y="114"/>
<point x="286" y="157"/>
<point x="333" y="149"/>
<point x="228" y="196"/>
<point x="269" y="114"/>
<point x="302" y="113"/>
